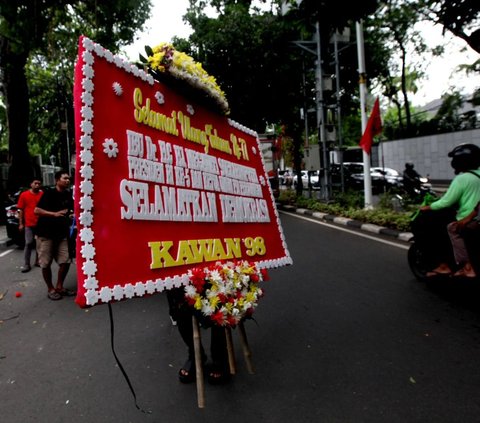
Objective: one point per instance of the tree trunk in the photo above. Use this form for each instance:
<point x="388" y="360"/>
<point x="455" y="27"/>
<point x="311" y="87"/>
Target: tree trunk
<point x="404" y="92"/>
<point x="15" y="90"/>
<point x="399" y="111"/>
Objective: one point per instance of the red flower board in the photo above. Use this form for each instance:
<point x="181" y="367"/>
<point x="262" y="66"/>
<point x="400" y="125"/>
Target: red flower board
<point x="162" y="184"/>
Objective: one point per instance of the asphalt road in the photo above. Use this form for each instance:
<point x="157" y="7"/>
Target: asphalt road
<point x="344" y="335"/>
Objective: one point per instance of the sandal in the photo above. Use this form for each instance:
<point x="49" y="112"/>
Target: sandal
<point x="218" y="376"/>
<point x="442" y="270"/>
<point x="463" y="273"/>
<point x="187" y="374"/>
<point x="54" y="295"/>
<point x="64" y="292"/>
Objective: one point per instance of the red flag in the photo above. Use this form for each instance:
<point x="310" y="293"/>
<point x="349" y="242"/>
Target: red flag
<point x="374" y="127"/>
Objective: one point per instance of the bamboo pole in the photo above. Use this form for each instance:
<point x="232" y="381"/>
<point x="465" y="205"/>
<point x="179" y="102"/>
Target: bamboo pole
<point x="198" y="364"/>
<point x="231" y="353"/>
<point x="247" y="352"/>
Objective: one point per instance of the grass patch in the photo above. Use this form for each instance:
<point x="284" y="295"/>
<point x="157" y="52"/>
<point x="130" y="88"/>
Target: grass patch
<point x="351" y="205"/>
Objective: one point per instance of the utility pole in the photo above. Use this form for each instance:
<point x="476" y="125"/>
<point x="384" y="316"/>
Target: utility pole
<point x="319" y="106"/>
<point x="321" y="114"/>
<point x="367" y="178"/>
<point x="339" y="113"/>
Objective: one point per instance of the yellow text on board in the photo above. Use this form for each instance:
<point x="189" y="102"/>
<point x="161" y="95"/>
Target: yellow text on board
<point x="207" y="136"/>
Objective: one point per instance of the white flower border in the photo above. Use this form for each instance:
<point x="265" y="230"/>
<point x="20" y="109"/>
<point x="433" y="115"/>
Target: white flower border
<point x="93" y="294"/>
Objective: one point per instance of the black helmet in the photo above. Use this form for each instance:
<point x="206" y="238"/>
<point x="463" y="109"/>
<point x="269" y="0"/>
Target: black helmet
<point x="409" y="165"/>
<point x="465" y="157"/>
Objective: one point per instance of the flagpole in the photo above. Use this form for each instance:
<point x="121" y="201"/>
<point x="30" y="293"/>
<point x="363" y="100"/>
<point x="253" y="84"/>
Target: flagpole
<point x="367" y="178"/>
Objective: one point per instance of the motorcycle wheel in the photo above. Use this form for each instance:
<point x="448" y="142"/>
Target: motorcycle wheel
<point x="417" y="262"/>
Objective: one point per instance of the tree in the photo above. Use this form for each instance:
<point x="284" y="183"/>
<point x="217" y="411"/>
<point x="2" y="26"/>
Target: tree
<point x="392" y="87"/>
<point x="447" y="117"/>
<point x="394" y="27"/>
<point x="49" y="29"/>
<point x="252" y="55"/>
<point x="50" y="109"/>
<point x="460" y="17"/>
<point x="249" y="53"/>
<point x="333" y="14"/>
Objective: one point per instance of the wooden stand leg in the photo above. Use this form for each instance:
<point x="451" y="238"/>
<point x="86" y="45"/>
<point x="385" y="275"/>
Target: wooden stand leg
<point x="231" y="353"/>
<point x="247" y="353"/>
<point x="198" y="364"/>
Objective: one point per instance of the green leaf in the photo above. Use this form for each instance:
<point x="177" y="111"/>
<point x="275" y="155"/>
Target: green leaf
<point x="149" y="50"/>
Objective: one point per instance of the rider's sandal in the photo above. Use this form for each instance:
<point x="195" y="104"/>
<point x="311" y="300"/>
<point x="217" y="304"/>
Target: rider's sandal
<point x="463" y="273"/>
<point x="434" y="273"/>
<point x="439" y="271"/>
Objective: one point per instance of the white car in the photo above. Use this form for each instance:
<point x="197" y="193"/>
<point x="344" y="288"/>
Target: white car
<point x="391" y="176"/>
<point x="314" y="179"/>
<point x="285" y="177"/>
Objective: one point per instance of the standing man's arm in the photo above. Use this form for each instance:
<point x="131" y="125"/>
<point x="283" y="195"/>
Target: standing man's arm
<point x="21" y="223"/>
<point x="42" y="212"/>
<point x="20" y="214"/>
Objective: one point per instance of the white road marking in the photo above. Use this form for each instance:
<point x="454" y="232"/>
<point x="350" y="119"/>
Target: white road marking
<point x="384" y="241"/>
<point x="5" y="253"/>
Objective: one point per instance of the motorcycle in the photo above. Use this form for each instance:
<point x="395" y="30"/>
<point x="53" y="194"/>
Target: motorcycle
<point x="403" y="196"/>
<point x="416" y="192"/>
<point x="418" y="264"/>
<point x="420" y="258"/>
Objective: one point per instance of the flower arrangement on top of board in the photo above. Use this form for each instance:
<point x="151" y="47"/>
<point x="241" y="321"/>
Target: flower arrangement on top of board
<point x="225" y="293"/>
<point x="164" y="61"/>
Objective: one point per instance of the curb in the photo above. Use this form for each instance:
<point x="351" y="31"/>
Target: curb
<point x="345" y="221"/>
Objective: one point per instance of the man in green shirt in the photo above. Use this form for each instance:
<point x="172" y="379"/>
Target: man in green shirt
<point x="463" y="195"/>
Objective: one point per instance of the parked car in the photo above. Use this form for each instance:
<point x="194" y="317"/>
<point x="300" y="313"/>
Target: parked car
<point x="392" y="177"/>
<point x="285" y="177"/>
<point x="310" y="179"/>
<point x="352" y="175"/>
<point x="382" y="178"/>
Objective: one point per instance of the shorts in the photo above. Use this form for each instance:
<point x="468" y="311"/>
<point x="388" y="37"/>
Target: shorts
<point x="49" y="249"/>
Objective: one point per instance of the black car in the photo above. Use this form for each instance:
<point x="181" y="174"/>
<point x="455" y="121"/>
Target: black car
<point x="352" y="175"/>
<point x="382" y="179"/>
